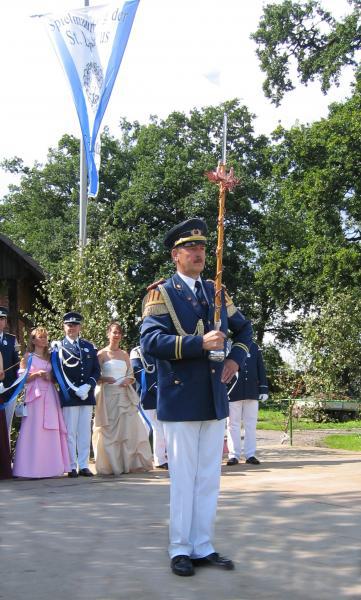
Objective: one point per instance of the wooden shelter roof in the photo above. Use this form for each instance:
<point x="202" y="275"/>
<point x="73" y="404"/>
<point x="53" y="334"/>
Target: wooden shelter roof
<point x="18" y="255"/>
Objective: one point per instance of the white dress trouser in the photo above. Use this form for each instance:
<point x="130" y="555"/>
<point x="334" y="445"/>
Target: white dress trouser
<point x="246" y="412"/>
<point x="78" y="424"/>
<point x="194" y="451"/>
<point x="159" y="446"/>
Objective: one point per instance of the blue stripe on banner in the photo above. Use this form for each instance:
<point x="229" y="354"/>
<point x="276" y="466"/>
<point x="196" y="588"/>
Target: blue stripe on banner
<point x="120" y="42"/>
<point x="81" y="109"/>
<point x="58" y="375"/>
<point x="19" y="387"/>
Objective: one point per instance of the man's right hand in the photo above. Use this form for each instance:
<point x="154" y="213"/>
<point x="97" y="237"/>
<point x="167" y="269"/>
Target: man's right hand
<point x="214" y="340"/>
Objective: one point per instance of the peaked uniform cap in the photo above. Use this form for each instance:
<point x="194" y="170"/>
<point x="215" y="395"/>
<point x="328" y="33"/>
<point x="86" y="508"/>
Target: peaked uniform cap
<point x="72" y="317"/>
<point x="3" y="311"/>
<point x="191" y="230"/>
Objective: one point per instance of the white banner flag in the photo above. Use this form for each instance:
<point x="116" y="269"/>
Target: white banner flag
<point x="90" y="43"/>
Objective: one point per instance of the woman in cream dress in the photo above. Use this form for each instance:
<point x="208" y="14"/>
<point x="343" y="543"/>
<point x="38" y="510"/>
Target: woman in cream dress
<point x="120" y="438"/>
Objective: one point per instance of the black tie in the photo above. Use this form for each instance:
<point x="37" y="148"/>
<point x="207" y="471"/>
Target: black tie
<point x="199" y="293"/>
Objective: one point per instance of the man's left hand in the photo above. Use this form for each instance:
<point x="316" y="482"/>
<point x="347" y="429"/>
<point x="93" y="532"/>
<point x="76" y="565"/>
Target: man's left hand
<point x="229" y="370"/>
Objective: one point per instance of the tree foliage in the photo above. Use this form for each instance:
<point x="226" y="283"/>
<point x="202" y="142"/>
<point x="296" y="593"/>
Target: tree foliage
<point x="94" y="284"/>
<point x="304" y="35"/>
<point x="331" y="347"/>
<point x="315" y="207"/>
<point x="292" y="236"/>
<point x="152" y="178"/>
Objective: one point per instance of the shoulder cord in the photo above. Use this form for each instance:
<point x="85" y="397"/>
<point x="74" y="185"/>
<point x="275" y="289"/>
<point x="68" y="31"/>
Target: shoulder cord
<point x="148" y="368"/>
<point x="72" y="356"/>
<point x="58" y="345"/>
<point x="199" y="330"/>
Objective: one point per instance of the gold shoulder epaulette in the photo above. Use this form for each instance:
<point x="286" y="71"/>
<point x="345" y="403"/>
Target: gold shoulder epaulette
<point x="153" y="304"/>
<point x="155" y="284"/>
<point x="231" y="309"/>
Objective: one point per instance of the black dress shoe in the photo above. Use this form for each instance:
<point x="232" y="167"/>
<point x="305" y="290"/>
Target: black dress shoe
<point x="73" y="473"/>
<point x="85" y="472"/>
<point x="232" y="461"/>
<point x="182" y="565"/>
<point x="214" y="560"/>
<point x="252" y="460"/>
<point x="163" y="466"/>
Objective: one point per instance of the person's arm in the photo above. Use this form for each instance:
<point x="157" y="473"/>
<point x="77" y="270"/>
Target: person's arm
<point x="158" y="340"/>
<point x="2" y="374"/>
<point x="129" y="378"/>
<point x="241" y="329"/>
<point x="137" y="371"/>
<point x="103" y="378"/>
<point x="23" y="367"/>
<point x="96" y="371"/>
<point x="15" y="362"/>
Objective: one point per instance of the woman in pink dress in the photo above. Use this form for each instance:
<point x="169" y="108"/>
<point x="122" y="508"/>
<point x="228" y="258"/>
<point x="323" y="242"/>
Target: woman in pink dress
<point x="41" y="449"/>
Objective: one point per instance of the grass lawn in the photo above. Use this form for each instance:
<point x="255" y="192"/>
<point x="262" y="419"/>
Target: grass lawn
<point x="271" y="418"/>
<point x="344" y="442"/>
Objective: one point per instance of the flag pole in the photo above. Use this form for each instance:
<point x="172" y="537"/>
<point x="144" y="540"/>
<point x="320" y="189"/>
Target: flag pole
<point x="83" y="190"/>
<point x="225" y="181"/>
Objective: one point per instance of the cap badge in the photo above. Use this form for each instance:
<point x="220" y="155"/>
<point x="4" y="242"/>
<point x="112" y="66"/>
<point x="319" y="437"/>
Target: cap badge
<point x="196" y="232"/>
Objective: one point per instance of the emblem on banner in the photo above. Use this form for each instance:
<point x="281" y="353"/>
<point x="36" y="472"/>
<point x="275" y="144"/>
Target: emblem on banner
<point x="93" y="83"/>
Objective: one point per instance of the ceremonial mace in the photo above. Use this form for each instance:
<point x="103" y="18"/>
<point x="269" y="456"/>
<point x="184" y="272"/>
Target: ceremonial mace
<point x="225" y="181"/>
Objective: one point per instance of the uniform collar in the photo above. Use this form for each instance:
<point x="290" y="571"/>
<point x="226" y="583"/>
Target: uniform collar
<point x="189" y="281"/>
<point x="68" y="339"/>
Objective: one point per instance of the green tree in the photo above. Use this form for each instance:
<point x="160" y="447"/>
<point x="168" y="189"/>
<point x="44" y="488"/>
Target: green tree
<point x="151" y="178"/>
<point x="95" y="284"/>
<point x="40" y="214"/>
<point x="311" y="244"/>
<point x="305" y="35"/>
<point x="330" y="351"/>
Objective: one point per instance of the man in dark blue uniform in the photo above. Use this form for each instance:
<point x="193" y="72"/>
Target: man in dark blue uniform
<point x="250" y="387"/>
<point x="178" y="330"/>
<point x="77" y="371"/>
<point x="10" y="356"/>
<point x="145" y="373"/>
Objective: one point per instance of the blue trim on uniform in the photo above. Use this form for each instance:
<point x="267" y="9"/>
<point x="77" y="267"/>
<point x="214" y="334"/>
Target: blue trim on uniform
<point x="145" y="417"/>
<point x="58" y="375"/>
<point x="19" y="387"/>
